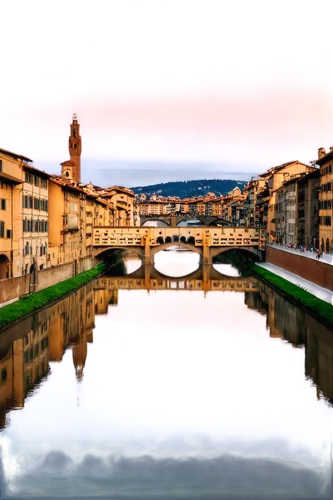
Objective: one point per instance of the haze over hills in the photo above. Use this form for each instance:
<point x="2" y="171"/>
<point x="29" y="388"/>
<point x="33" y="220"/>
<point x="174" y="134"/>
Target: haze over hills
<point x="129" y="173"/>
<point x="189" y="189"/>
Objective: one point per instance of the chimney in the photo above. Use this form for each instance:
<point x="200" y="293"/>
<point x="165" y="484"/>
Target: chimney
<point x="321" y="153"/>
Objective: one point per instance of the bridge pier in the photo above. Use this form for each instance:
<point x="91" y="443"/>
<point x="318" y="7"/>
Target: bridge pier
<point x="207" y="258"/>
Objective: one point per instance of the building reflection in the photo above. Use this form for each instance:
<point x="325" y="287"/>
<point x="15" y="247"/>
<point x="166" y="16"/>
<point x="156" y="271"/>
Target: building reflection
<point x="298" y="328"/>
<point x="27" y="348"/>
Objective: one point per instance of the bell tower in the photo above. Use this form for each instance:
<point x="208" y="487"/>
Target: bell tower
<point x="75" y="148"/>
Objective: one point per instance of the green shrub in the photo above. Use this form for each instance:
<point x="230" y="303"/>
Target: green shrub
<point x="298" y="294"/>
<point x="30" y="303"/>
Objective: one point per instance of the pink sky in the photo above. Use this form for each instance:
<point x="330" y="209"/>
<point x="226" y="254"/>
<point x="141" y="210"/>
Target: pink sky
<point x="247" y="83"/>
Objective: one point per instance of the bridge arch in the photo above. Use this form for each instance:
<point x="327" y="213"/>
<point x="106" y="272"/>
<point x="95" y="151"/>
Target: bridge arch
<point x="98" y="253"/>
<point x="155" y="219"/>
<point x="217" y="221"/>
<point x="214" y="251"/>
<point x="186" y="219"/>
<point x="155" y="250"/>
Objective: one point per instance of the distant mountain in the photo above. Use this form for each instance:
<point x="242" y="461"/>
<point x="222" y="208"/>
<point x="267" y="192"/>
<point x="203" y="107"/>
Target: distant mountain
<point x="112" y="172"/>
<point x="188" y="189"/>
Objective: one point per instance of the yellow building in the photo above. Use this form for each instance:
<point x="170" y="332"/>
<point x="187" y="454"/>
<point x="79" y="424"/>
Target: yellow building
<point x="121" y="200"/>
<point x="67" y="222"/>
<point x="216" y="207"/>
<point x="325" y="162"/>
<point x="34" y="243"/>
<point x="103" y="214"/>
<point x="275" y="177"/>
<point x="10" y="188"/>
<point x="23" y="216"/>
<point x="151" y="207"/>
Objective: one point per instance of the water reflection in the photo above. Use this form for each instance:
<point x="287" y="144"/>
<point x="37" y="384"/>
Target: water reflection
<point x="176" y="262"/>
<point x="171" y="396"/>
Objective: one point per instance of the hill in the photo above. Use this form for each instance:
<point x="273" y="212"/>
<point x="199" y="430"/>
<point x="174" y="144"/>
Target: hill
<point x="188" y="189"/>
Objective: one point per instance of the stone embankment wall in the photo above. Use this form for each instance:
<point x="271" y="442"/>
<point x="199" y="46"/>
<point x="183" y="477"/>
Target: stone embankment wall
<point x="16" y="287"/>
<point x="313" y="270"/>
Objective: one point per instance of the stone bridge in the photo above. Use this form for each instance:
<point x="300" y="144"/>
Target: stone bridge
<point x="207" y="242"/>
<point x="174" y="220"/>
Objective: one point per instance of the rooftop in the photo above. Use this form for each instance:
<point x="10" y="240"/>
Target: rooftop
<point x="16" y="156"/>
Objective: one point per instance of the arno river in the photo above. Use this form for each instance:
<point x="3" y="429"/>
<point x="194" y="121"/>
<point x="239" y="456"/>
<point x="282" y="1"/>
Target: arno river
<point x="141" y="386"/>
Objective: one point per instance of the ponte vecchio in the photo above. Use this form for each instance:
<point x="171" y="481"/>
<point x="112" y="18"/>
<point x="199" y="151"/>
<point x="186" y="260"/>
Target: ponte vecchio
<point x="206" y="241"/>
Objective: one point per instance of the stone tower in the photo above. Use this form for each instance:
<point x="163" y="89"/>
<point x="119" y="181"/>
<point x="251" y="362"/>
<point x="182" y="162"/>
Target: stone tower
<point x="72" y="169"/>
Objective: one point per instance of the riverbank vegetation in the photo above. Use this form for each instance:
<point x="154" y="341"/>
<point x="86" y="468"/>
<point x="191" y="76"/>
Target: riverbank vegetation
<point x="299" y="296"/>
<point x="30" y="303"/>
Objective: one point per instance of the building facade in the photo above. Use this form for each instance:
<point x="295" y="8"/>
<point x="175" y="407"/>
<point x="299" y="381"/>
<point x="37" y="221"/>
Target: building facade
<point x="325" y="162"/>
<point x="308" y="209"/>
<point x="275" y="177"/>
<point x="23" y="216"/>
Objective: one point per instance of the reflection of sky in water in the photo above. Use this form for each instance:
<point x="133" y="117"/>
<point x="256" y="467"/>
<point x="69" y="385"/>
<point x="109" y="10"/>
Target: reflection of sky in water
<point x="181" y="396"/>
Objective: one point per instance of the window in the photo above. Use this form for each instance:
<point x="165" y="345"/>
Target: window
<point x="36" y="180"/>
<point x="3" y="204"/>
<point x="2" y="229"/>
<point x="26" y="177"/>
<point x="9" y="233"/>
<point x="0" y="165"/>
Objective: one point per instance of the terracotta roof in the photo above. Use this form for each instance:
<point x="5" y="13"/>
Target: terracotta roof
<point x="120" y="188"/>
<point x="63" y="183"/>
<point x="14" y="155"/>
<point x="69" y="163"/>
<point x="9" y="178"/>
<point x="315" y="173"/>
<point x="41" y="173"/>
<point x="325" y="158"/>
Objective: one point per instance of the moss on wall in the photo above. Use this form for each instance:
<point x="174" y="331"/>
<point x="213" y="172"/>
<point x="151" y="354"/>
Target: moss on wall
<point x="27" y="305"/>
<point x="321" y="309"/>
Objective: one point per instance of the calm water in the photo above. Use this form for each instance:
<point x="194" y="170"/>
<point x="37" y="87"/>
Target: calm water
<point x="210" y="386"/>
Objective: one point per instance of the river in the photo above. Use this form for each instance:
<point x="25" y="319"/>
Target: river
<point x="141" y="386"/>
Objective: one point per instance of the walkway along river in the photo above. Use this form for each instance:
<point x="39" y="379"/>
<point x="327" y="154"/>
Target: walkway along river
<point x="159" y="389"/>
